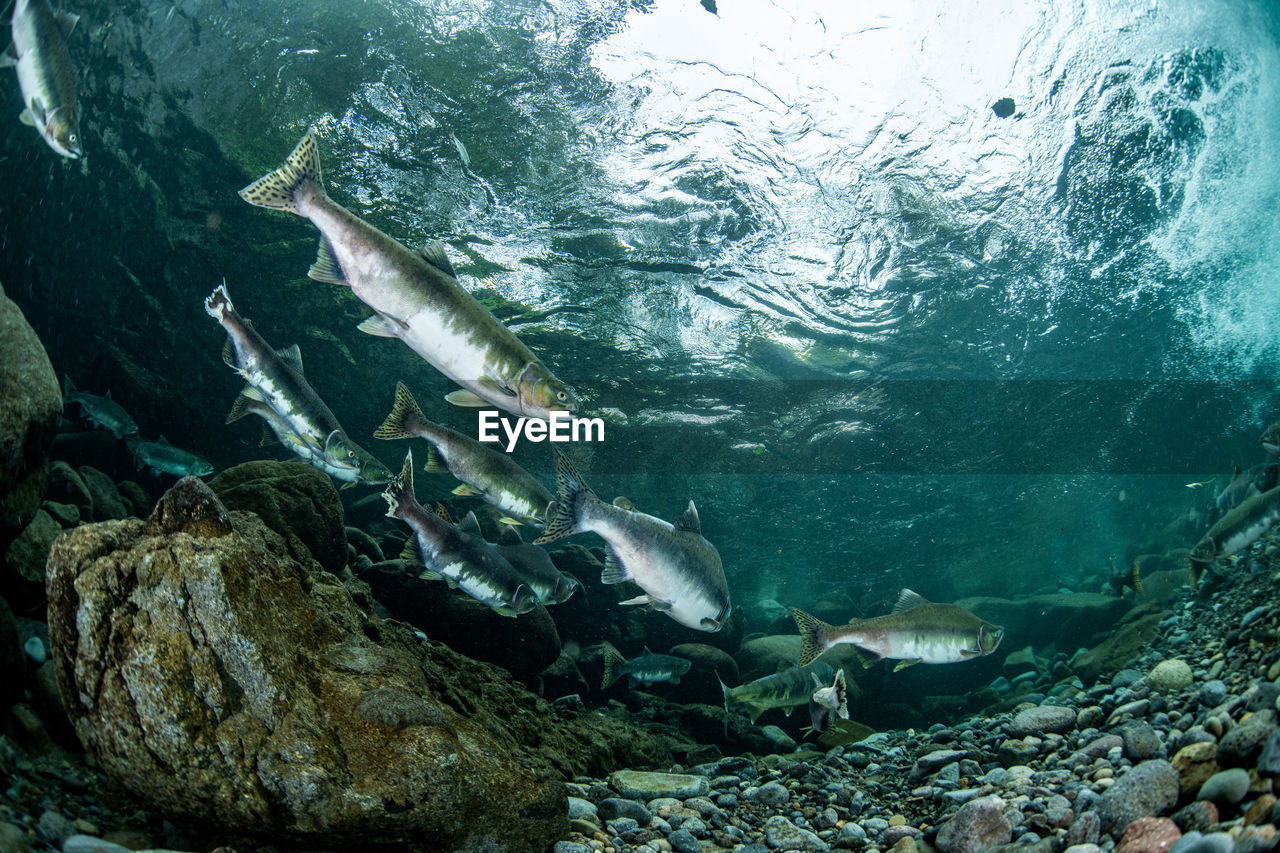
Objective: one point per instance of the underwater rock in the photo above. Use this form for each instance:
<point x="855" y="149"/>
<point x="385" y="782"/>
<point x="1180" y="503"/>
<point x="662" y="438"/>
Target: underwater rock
<point x="107" y="504"/>
<point x="295" y="500"/>
<point x="1170" y="675"/>
<point x="646" y="785"/>
<point x="1042" y="720"/>
<point x="524" y="646"/>
<point x="781" y="834"/>
<point x="1149" y="835"/>
<point x="1147" y="790"/>
<point x="1244" y="742"/>
<point x="978" y="825"/>
<point x="702" y="682"/>
<point x="12" y="659"/>
<point x="1225" y="787"/>
<point x="1064" y="619"/>
<point x="24" y="560"/>
<point x="223" y="681"/>
<point x="67" y="486"/>
<point x="30" y="407"/>
<point x="1137" y="629"/>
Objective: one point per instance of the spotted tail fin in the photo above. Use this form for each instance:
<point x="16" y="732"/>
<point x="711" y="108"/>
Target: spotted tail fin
<point x="613" y="660"/>
<point x="279" y="190"/>
<point x="399" y="492"/>
<point x="404" y="413"/>
<point x="571" y="493"/>
<point x="813" y="635"/>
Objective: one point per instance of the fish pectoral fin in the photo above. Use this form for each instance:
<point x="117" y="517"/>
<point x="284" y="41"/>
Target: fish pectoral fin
<point x="504" y="610"/>
<point x="497" y="386"/>
<point x="10" y="56"/>
<point x="639" y="599"/>
<point x="466" y="490"/>
<point x="66" y="21"/>
<point x="39" y="115"/>
<point x="970" y="653"/>
<point x="468" y="399"/>
<point x="381" y="326"/>
<point x="903" y="664"/>
<point x="26" y="118"/>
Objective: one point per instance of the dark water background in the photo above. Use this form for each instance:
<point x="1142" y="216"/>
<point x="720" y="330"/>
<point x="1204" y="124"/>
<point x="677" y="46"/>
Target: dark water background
<point x="882" y="332"/>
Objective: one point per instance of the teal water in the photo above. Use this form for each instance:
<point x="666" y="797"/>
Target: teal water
<point x="883" y="335"/>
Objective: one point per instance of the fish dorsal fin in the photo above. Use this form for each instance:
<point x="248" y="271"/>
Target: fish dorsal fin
<point x="107" y="396"/>
<point x="816" y="680"/>
<point x="268" y="437"/>
<point x="647" y="650"/>
<point x="162" y="440"/>
<point x="66" y="22"/>
<point x="624" y="503"/>
<point x="908" y="600"/>
<point x="509" y="536"/>
<point x="292" y="356"/>
<point x="435" y="255"/>
<point x="614" y="570"/>
<point x="434" y="465"/>
<point x="470" y="524"/>
<point x="689" y="521"/>
<point x="239" y="409"/>
<point x="326" y="266"/>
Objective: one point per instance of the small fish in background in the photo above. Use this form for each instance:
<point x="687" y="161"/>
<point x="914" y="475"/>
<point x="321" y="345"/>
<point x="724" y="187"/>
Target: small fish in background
<point x="416" y="296"/>
<point x="486" y="473"/>
<point x="48" y="81"/>
<point x="163" y="458"/>
<point x="786" y="689"/>
<point x="456" y="555"/>
<point x="648" y="668"/>
<point x="1247" y="482"/>
<point x="1235" y="531"/>
<point x="828" y="701"/>
<point x="462" y="150"/>
<point x="103" y="411"/>
<point x="1271" y="439"/>
<point x="917" y="631"/>
<point x="1122" y="577"/>
<point x="679" y="571"/>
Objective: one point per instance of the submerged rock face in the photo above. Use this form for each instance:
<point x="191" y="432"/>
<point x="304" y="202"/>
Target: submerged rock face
<point x="30" y="406"/>
<point x="295" y="500"/>
<point x="223" y="680"/>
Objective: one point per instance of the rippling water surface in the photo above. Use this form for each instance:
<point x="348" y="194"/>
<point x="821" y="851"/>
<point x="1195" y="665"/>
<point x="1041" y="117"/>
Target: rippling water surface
<point x="900" y="293"/>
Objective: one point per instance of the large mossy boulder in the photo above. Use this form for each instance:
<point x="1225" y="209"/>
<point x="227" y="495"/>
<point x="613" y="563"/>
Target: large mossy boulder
<point x="223" y="680"/>
<point x="30" y="406"/>
<point x="295" y="500"/>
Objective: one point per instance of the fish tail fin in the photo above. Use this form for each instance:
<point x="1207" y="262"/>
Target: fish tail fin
<point x="571" y="493"/>
<point x="400" y="490"/>
<point x="613" y="659"/>
<point x="279" y="190"/>
<point x="68" y="387"/>
<point x="404" y="413"/>
<point x="1137" y="578"/>
<point x="218" y="304"/>
<point x="813" y="635"/>
<point x="842" y="695"/>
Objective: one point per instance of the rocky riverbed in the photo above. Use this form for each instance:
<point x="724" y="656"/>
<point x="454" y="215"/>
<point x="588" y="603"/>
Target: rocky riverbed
<point x="1177" y="751"/>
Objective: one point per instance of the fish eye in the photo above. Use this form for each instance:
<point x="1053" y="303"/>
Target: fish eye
<point x="351" y="454"/>
<point x="562" y="396"/>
